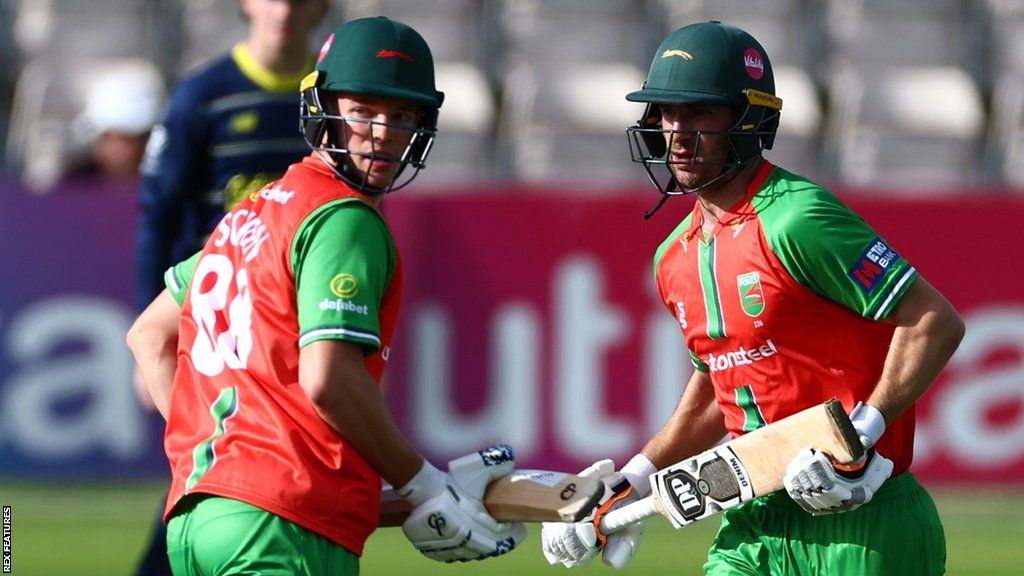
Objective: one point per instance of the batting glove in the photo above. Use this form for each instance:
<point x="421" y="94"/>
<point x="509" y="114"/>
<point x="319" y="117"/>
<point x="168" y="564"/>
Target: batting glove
<point x="449" y="522"/>
<point x="822" y="486"/>
<point x="578" y="544"/>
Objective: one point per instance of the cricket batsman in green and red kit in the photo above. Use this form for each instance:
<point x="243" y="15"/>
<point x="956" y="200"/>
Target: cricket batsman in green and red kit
<point x="265" y="351"/>
<point x="785" y="298"/>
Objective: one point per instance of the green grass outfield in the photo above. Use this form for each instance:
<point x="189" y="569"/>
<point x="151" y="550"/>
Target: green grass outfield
<point x="99" y="530"/>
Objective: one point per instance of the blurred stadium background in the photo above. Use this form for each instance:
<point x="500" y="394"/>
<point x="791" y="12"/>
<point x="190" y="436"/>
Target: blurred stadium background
<point x="528" y="260"/>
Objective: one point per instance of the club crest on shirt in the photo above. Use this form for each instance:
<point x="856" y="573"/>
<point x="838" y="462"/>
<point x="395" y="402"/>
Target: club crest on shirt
<point x="751" y="293"/>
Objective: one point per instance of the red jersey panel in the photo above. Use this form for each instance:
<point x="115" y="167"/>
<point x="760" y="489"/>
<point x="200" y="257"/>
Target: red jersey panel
<point x="240" y="425"/>
<point x="772" y="344"/>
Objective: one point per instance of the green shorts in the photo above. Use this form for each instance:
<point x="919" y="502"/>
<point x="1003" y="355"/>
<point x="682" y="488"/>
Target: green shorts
<point x="898" y="532"/>
<point x="211" y="535"/>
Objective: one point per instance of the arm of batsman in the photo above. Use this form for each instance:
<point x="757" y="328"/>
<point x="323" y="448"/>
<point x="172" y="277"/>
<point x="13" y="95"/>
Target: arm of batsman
<point x="449" y="521"/>
<point x="578" y="544"/>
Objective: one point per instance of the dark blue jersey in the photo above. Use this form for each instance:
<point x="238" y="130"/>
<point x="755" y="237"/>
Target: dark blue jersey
<point x="230" y="128"/>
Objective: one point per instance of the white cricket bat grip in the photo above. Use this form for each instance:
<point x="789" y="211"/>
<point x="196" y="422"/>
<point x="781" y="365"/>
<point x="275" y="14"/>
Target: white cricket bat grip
<point x="629" y="514"/>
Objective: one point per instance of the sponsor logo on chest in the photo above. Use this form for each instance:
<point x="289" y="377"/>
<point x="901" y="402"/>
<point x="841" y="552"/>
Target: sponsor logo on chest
<point x="741" y="357"/>
<point x="276" y="194"/>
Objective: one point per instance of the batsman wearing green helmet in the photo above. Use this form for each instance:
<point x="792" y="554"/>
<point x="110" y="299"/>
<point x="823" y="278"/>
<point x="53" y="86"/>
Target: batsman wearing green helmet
<point x="266" y="350"/>
<point x="785" y="299"/>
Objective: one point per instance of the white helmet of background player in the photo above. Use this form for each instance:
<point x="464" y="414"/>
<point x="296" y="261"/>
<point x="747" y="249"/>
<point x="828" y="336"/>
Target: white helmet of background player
<point x="376" y="57"/>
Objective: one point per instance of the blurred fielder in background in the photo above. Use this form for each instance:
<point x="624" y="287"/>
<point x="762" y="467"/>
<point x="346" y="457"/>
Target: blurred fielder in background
<point x="230" y="128"/>
<point x="785" y="299"/>
<point x="277" y="432"/>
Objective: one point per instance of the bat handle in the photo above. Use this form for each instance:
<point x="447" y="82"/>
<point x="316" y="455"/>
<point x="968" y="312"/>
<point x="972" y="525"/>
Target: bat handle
<point x="629" y="514"/>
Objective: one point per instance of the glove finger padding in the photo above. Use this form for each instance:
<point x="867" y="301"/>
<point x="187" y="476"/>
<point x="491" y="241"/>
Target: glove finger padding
<point x="578" y="544"/>
<point x="473" y="472"/>
<point x="569" y="544"/>
<point x="821" y="486"/>
<point x="621" y="547"/>
<point x="600" y="469"/>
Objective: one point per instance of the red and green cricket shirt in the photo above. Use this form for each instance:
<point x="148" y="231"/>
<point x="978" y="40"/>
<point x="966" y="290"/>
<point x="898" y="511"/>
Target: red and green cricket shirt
<point x="782" y="304"/>
<point x="304" y="259"/>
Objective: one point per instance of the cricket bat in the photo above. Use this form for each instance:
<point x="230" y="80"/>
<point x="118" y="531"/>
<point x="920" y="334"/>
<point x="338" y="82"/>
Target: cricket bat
<point x="522" y="496"/>
<point x="737" y="471"/>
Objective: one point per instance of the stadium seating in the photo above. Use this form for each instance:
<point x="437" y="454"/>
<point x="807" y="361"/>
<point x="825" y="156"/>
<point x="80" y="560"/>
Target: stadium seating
<point x="1005" y="34"/>
<point x="915" y="128"/>
<point x="798" y="141"/>
<point x="50" y="28"/>
<point x="843" y="67"/>
<point x="556" y="34"/>
<point x="463" y="151"/>
<point x="787" y="29"/>
<point x="1006" y="138"/>
<point x="569" y="125"/>
<point x="867" y="33"/>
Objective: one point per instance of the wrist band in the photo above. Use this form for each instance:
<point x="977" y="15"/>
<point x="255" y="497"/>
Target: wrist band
<point x="869" y="423"/>
<point x="638" y="471"/>
<point x="426" y="484"/>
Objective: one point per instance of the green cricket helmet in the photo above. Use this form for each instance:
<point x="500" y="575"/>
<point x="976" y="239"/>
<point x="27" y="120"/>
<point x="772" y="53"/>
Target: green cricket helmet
<point x="377" y="57"/>
<point x="707" y="63"/>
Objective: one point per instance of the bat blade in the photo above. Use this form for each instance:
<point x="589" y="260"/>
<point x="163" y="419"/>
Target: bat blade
<point x="738" y="471"/>
<point x="522" y="496"/>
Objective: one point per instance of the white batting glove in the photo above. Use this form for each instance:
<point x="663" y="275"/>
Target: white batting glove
<point x="449" y="522"/>
<point x="578" y="544"/>
<point x="822" y="486"/>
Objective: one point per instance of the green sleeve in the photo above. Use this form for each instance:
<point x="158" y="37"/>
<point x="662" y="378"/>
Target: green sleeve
<point x="342" y="258"/>
<point x="178" y="277"/>
<point x="831" y="250"/>
<point x="698" y="364"/>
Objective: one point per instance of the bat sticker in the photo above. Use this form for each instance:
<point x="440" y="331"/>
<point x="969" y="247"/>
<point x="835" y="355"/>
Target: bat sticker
<point x="703" y="486"/>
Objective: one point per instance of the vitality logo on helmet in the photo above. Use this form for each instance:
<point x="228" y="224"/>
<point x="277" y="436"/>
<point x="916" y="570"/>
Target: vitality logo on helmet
<point x="754" y="64"/>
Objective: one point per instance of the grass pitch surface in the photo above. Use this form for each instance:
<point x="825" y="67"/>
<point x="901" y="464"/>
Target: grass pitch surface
<point x="101" y="530"/>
